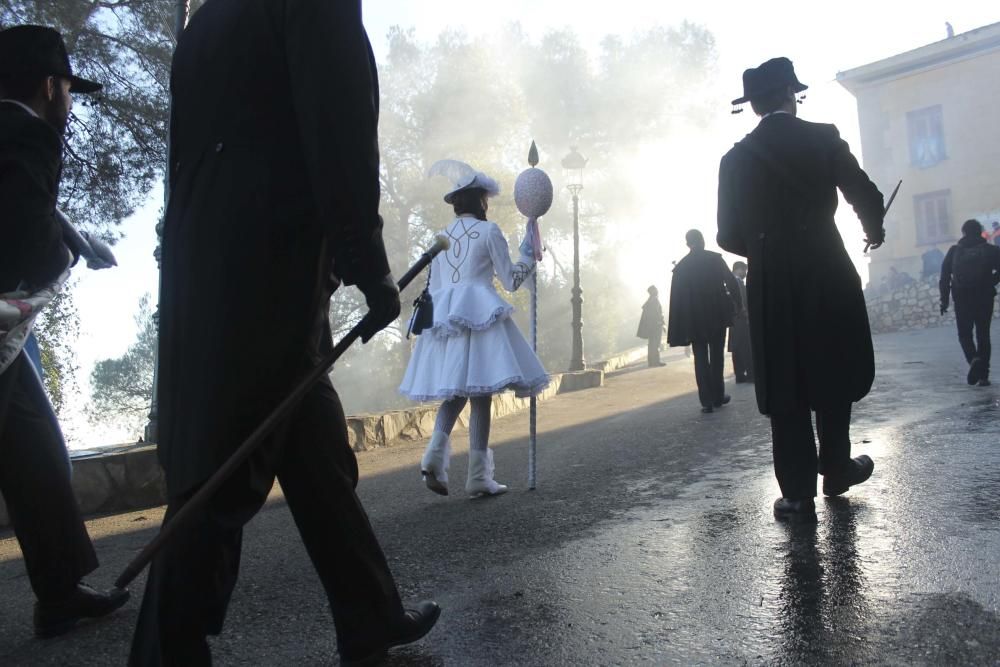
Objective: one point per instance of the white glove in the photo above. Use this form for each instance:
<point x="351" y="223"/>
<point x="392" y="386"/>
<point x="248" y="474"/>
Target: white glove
<point x="100" y="256"/>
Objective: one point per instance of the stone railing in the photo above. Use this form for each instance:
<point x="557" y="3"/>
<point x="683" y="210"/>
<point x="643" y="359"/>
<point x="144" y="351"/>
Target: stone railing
<point x="129" y="477"/>
<point x="914" y="306"/>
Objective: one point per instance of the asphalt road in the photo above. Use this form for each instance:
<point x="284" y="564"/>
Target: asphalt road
<point x="649" y="540"/>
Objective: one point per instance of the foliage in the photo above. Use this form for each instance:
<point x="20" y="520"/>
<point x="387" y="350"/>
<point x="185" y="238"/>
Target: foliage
<point x="121" y="388"/>
<point x="57" y="328"/>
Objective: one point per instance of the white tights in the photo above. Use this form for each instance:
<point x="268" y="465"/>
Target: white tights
<point x="479" y="419"/>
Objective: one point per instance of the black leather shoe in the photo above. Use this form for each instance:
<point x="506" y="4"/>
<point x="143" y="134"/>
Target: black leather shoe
<point x="57" y="617"/>
<point x="977" y="370"/>
<point x="856" y="471"/>
<point x="725" y="400"/>
<point x="415" y="623"/>
<point x="802" y="510"/>
<point x="983" y="382"/>
<point x="706" y="409"/>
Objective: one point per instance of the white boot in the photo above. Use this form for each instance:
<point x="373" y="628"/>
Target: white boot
<point x="434" y="465"/>
<point x="480" y="480"/>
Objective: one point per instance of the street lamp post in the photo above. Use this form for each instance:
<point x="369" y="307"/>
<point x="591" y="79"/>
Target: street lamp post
<point x="574" y="164"/>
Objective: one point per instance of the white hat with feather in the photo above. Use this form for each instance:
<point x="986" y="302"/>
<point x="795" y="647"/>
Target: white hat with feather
<point x="463" y="177"/>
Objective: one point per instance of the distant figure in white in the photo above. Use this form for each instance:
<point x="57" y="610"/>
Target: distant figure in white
<point x="474" y="349"/>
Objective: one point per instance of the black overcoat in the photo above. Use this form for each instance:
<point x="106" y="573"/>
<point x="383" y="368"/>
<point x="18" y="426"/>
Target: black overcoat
<point x="808" y="322"/>
<point x="32" y="249"/>
<point x="651" y="322"/>
<point x="274" y="189"/>
<point x="704" y="294"/>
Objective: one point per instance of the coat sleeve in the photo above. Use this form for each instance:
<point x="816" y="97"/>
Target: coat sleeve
<point x="30" y="231"/>
<point x="334" y="87"/>
<point x="945" y="281"/>
<point x="729" y="237"/>
<point x="858" y="189"/>
<point x="511" y="274"/>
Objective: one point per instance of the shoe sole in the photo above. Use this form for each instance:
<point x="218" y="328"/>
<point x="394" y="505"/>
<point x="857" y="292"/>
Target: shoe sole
<point x="434" y="485"/>
<point x="796" y="517"/>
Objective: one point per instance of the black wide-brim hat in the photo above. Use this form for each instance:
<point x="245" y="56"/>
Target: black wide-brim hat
<point x="774" y="74"/>
<point x="34" y="50"/>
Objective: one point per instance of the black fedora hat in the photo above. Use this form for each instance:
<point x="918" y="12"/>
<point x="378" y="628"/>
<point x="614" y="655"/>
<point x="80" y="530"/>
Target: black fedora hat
<point x="775" y="73"/>
<point x="34" y="50"/>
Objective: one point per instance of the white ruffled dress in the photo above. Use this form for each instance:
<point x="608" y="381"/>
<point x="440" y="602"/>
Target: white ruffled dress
<point x="474" y="348"/>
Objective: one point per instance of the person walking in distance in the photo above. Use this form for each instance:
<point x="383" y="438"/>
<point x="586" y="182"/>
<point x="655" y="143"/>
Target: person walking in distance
<point x="969" y="274"/>
<point x="651" y="326"/>
<point x="739" y="333"/>
<point x="704" y="294"/>
<point x="274" y="194"/>
<point x="809" y="332"/>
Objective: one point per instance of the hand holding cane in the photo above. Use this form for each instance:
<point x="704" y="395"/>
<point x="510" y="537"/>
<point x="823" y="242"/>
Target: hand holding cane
<point x="876" y="244"/>
<point x="204" y="494"/>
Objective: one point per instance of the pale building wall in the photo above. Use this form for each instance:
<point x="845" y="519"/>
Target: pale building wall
<point x="968" y="92"/>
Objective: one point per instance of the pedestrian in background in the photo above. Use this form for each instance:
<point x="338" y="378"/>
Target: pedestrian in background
<point x="704" y="295"/>
<point x="970" y="273"/>
<point x="739" y="333"/>
<point x="651" y="326"/>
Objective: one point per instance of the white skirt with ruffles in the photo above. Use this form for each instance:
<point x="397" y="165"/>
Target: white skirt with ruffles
<point x="456" y="360"/>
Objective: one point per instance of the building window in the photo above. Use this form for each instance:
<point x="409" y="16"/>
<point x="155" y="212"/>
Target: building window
<point x="926" y="130"/>
<point x="932" y="212"/>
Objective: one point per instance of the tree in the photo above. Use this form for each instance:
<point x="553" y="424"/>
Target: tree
<point x="121" y="388"/>
<point x="57" y="328"/>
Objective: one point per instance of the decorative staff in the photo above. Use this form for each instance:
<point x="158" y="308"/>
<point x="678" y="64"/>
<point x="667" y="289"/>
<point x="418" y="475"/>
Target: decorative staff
<point x="533" y="196"/>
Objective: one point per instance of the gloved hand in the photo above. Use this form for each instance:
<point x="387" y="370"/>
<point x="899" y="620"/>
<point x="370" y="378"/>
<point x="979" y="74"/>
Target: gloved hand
<point x="875" y="239"/>
<point x="527" y="250"/>
<point x="100" y="256"/>
<point x="382" y="297"/>
<point x="944" y="307"/>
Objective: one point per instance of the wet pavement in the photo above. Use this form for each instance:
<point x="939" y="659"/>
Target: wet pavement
<point x="648" y="542"/>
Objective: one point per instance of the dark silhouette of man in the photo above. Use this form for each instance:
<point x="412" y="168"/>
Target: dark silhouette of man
<point x="809" y="332"/>
<point x="970" y="273"/>
<point x="704" y="294"/>
<point x="651" y="326"/>
<point x="739" y="333"/>
<point x="36" y="86"/>
<point x="274" y="194"/>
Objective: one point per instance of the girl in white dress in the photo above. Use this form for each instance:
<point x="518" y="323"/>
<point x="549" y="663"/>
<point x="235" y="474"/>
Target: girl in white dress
<point x="474" y="349"/>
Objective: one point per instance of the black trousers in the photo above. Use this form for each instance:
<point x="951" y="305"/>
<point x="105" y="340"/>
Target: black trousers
<point x="709" y="366"/>
<point x="192" y="579"/>
<point x="794" y="447"/>
<point x="653" y="349"/>
<point x="35" y="482"/>
<point x="975" y="313"/>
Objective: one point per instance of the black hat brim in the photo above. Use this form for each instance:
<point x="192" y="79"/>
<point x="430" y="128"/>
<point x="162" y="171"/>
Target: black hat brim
<point x="78" y="85"/>
<point x="797" y="87"/>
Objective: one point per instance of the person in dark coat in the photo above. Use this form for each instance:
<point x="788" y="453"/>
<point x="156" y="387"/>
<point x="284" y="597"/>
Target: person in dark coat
<point x="36" y="83"/>
<point x="809" y="332"/>
<point x="704" y="295"/>
<point x="274" y="194"/>
<point x="651" y="326"/>
<point x="739" y="333"/>
<point x="970" y="273"/>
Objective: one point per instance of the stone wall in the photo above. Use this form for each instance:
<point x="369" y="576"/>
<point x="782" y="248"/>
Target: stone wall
<point x="915" y="306"/>
<point x="129" y="477"/>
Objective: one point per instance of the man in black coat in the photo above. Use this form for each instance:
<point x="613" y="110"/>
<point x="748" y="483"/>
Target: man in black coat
<point x="970" y="273"/>
<point x="739" y="333"/>
<point x="274" y="194"/>
<point x="810" y="338"/>
<point x="651" y="326"/>
<point x="36" y="83"/>
<point x="704" y="295"/>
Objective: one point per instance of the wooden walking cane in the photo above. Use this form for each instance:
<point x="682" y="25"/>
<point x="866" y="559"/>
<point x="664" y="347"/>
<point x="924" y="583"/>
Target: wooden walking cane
<point x="238" y="457"/>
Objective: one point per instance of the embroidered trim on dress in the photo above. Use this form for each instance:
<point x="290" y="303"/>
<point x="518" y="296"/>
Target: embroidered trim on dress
<point x="450" y="327"/>
<point x="517" y="383"/>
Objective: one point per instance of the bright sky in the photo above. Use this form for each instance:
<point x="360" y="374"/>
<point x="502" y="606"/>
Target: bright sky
<point x="820" y="38"/>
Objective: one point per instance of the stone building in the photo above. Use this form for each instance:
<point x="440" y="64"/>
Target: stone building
<point x="931" y="116"/>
